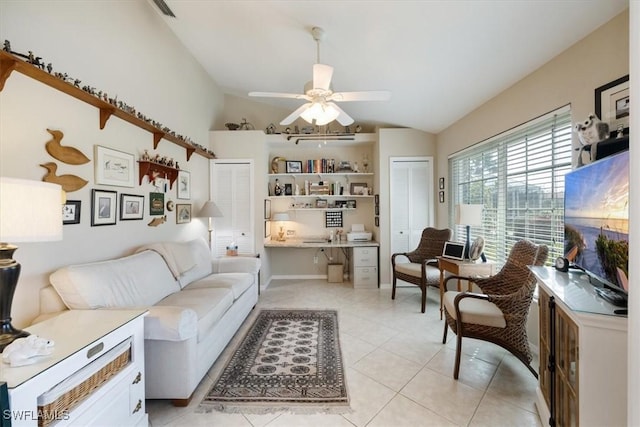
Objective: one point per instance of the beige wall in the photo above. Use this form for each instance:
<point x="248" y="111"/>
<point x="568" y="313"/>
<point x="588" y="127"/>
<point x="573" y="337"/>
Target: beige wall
<point x="570" y="78"/>
<point x="396" y="143"/>
<point x="123" y="48"/>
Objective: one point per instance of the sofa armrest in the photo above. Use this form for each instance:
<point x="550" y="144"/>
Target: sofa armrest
<point x="50" y="301"/>
<point x="170" y="323"/>
<point x="236" y="264"/>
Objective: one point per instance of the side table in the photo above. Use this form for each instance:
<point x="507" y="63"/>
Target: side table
<point x="462" y="268"/>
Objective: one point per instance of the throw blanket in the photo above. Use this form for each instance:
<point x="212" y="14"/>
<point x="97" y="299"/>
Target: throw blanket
<point x="177" y="256"/>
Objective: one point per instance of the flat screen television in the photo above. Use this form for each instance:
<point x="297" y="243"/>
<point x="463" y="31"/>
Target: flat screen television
<point x="596" y="220"/>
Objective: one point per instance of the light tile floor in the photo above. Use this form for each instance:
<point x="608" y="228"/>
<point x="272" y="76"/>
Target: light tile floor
<point x="398" y="371"/>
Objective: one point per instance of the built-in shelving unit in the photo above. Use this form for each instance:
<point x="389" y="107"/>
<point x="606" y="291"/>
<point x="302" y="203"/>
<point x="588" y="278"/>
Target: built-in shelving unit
<point x="10" y="63"/>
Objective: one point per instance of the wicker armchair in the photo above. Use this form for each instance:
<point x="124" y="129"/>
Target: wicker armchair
<point x="499" y="314"/>
<point x="422" y="268"/>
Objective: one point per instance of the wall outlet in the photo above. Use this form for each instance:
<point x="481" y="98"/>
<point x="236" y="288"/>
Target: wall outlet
<point x="315" y="259"/>
<point x="291" y="233"/>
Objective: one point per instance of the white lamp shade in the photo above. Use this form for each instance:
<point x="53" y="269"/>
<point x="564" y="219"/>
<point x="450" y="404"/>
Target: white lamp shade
<point x="321" y="112"/>
<point x="280" y="216"/>
<point x="469" y="214"/>
<point x="210" y="210"/>
<point x="30" y="211"/>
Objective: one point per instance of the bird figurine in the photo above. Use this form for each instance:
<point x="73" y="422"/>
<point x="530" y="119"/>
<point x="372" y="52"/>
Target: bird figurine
<point x="68" y="155"/>
<point x="68" y="183"/>
<point x="157" y="221"/>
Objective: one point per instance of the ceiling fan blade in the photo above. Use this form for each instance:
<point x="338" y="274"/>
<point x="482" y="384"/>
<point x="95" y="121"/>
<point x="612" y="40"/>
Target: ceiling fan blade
<point x="279" y="95"/>
<point x="343" y="118"/>
<point x="372" y="95"/>
<point x="322" y="76"/>
<point x="291" y="117"/>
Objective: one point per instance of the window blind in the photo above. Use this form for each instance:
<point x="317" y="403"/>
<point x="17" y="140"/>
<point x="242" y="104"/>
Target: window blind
<point x="518" y="176"/>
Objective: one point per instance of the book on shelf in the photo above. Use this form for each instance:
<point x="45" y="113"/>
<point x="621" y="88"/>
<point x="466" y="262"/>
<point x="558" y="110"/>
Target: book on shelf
<point x="320" y="166"/>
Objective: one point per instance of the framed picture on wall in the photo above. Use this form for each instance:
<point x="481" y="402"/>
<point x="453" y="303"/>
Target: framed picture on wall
<point x="71" y="212"/>
<point x="441" y="183"/>
<point x="612" y="105"/>
<point x="267" y="209"/>
<point x="103" y="207"/>
<point x="441" y="196"/>
<point x="184" y="185"/>
<point x="131" y="207"/>
<point x="113" y="167"/>
<point x="156" y="203"/>
<point x="183" y="213"/>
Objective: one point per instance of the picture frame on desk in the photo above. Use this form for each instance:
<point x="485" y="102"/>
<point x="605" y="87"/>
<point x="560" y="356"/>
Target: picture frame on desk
<point x="612" y="105"/>
<point x="293" y="166"/>
<point x="358" y="189"/>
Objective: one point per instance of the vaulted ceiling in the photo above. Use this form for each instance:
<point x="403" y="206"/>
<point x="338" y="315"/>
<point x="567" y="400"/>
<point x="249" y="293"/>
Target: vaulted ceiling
<point x="440" y="59"/>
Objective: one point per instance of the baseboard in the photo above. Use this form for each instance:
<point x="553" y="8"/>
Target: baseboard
<point x="298" y="276"/>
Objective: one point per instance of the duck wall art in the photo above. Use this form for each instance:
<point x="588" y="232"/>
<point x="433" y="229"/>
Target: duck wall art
<point x="68" y="183"/>
<point x="69" y="155"/>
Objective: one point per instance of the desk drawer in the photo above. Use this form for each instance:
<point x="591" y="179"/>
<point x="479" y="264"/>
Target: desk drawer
<point x="365" y="257"/>
<point x="365" y="277"/>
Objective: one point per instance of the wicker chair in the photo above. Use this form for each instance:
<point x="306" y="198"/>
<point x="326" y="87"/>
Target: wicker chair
<point x="499" y="314"/>
<point x="422" y="268"/>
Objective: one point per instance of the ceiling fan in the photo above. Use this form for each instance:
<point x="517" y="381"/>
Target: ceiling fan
<point x="322" y="107"/>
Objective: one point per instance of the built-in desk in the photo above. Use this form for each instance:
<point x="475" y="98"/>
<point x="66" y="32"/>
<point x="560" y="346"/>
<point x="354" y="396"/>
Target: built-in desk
<point x="345" y="246"/>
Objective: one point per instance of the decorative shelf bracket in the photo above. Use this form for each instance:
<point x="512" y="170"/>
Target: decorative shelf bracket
<point x="10" y="63"/>
<point x="105" y="113"/>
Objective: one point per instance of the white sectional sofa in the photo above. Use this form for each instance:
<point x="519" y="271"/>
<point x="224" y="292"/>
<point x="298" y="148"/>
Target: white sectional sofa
<point x="196" y="304"/>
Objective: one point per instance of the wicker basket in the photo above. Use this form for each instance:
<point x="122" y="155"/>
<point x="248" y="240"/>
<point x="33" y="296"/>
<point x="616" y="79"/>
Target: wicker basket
<point x="60" y="407"/>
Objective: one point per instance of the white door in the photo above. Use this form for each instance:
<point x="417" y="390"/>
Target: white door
<point x="411" y="187"/>
<point x="232" y="190"/>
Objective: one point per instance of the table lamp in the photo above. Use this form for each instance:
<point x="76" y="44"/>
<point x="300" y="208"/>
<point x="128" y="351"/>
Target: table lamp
<point x="468" y="215"/>
<point x="210" y="210"/>
<point x="30" y="211"/>
<point x="281" y="217"/>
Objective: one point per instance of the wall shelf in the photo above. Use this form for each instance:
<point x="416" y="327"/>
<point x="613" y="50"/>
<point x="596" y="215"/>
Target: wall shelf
<point x="10" y="63"/>
<point x="154" y="170"/>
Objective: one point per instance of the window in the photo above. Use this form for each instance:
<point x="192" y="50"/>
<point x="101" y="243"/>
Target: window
<point x="519" y="178"/>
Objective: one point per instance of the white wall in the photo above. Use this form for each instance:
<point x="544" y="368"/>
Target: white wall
<point x="633" y="411"/>
<point x="124" y="48"/>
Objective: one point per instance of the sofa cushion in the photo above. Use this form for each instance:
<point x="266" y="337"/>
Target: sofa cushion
<point x="237" y="282"/>
<point x="209" y="304"/>
<point x="138" y="280"/>
<point x="170" y="323"/>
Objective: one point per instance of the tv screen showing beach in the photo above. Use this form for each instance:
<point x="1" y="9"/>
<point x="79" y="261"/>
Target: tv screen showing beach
<point x="596" y="219"/>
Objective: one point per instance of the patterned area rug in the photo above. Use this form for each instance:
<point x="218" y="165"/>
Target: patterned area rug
<point x="289" y="360"/>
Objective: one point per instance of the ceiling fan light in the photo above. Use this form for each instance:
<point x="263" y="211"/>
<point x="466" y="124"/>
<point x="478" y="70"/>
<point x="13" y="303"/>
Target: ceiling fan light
<point x="321" y="113"/>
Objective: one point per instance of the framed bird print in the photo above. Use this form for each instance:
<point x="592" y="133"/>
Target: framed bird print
<point x="114" y="167"/>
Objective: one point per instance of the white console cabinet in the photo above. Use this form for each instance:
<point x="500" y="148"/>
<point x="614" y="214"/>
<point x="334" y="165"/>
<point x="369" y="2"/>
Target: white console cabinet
<point x="85" y="342"/>
<point x="583" y="353"/>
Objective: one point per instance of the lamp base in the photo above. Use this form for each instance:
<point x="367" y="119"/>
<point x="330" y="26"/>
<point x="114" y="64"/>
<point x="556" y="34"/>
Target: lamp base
<point x="9" y="273"/>
<point x="9" y="334"/>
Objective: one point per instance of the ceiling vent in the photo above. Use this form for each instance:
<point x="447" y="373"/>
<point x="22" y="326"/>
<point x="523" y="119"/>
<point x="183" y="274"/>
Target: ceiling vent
<point x="164" y="8"/>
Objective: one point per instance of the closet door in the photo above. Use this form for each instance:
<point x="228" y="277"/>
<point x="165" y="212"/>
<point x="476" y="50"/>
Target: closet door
<point x="232" y="190"/>
<point x="411" y="186"/>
